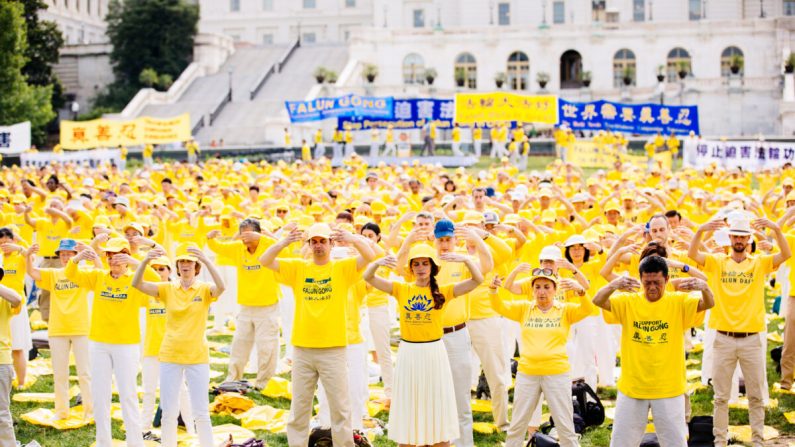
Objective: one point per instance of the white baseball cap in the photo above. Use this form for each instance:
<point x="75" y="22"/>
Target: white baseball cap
<point x="550" y="253"/>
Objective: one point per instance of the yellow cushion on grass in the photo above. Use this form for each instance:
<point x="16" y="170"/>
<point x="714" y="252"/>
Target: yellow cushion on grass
<point x="278" y="387"/>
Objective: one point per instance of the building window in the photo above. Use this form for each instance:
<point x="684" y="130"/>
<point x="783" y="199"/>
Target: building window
<point x="518" y="71"/>
<point x="598" y="10"/>
<point x="731" y="56"/>
<point x="789" y="7"/>
<point x="466" y="69"/>
<point x="308" y="38"/>
<point x="558" y="12"/>
<point x="350" y="3"/>
<point x="623" y="67"/>
<point x="234" y="5"/>
<point x="77" y="5"/>
<point x="504" y="14"/>
<point x="413" y="69"/>
<point x="678" y="60"/>
<point x="267" y="39"/>
<point x="695" y="9"/>
<point x="639" y="10"/>
<point x="88" y="7"/>
<point x="267" y="5"/>
<point x="310" y="4"/>
<point x="419" y="18"/>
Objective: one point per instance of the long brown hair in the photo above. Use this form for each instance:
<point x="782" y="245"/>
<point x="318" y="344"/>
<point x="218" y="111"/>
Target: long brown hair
<point x="438" y="298"/>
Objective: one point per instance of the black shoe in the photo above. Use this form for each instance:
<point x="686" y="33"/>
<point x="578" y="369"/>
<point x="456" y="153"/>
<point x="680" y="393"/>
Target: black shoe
<point x="149" y="436"/>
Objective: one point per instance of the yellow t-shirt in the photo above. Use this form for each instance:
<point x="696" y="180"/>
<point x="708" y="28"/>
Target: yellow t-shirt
<point x="652" y="342"/>
<point x="114" y="312"/>
<point x="321" y="299"/>
<point x="419" y="321"/>
<point x="184" y="341"/>
<point x="259" y="287"/>
<point x="544" y="334"/>
<point x="375" y="297"/>
<point x="68" y="304"/>
<point x="306" y="153"/>
<point x="456" y="311"/>
<point x="356" y="298"/>
<point x="6" y="312"/>
<point x="14" y="269"/>
<point x="49" y="234"/>
<point x="155" y="327"/>
<point x="739" y="290"/>
<point x="456" y="134"/>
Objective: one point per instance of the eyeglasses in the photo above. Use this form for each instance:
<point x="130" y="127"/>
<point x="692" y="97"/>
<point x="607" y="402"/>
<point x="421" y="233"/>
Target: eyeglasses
<point x="543" y="271"/>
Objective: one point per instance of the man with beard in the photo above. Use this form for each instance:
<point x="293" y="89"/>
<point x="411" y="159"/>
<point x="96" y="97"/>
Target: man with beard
<point x="737" y="280"/>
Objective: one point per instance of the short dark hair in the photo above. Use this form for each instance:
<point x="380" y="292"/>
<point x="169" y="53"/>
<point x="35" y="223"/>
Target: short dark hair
<point x="653" y="264"/>
<point x="673" y="213"/>
<point x="584" y="259"/>
<point x="6" y="232"/>
<point x="653" y="249"/>
<point x="372" y="226"/>
<point x="250" y="222"/>
<point x="254" y="187"/>
<point x="166" y="180"/>
<point x="346" y="216"/>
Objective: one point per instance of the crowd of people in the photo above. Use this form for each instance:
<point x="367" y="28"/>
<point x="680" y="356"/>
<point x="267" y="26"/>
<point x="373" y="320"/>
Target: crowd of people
<point x="469" y="268"/>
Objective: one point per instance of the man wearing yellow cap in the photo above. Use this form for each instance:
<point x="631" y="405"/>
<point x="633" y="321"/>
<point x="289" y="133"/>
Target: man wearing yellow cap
<point x="321" y="288"/>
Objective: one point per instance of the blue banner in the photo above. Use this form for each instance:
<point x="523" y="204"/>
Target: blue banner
<point x="406" y="114"/>
<point x="348" y="105"/>
<point x="628" y="118"/>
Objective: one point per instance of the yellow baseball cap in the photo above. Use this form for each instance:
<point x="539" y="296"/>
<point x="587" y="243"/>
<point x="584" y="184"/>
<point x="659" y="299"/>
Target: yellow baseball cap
<point x="422" y="251"/>
<point x="472" y="217"/>
<point x="549" y="216"/>
<point x="116" y="245"/>
<point x="135" y="226"/>
<point x="378" y="207"/>
<point x="184" y="255"/>
<point x="612" y="206"/>
<point x="162" y="260"/>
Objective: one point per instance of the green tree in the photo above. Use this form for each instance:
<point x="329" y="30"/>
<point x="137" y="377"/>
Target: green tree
<point x="154" y="34"/>
<point x="45" y="41"/>
<point x="148" y="77"/>
<point x="20" y="101"/>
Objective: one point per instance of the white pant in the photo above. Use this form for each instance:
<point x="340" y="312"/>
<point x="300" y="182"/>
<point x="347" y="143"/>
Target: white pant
<point x="632" y="416"/>
<point x="379" y="329"/>
<point x="171" y="380"/>
<point x="226" y="306"/>
<point x="60" y="346"/>
<point x="337" y="150"/>
<point x="511" y="331"/>
<point x="458" y="348"/>
<point x="357" y="388"/>
<point x="121" y="361"/>
<point x="557" y="388"/>
<point x="583" y="362"/>
<point x="374" y="149"/>
<point x="606" y="349"/>
<point x="457" y="149"/>
<point x="286" y="313"/>
<point x="478" y="145"/>
<point x="150" y="378"/>
<point x="348" y="149"/>
<point x="320" y="151"/>
<point x="390" y="150"/>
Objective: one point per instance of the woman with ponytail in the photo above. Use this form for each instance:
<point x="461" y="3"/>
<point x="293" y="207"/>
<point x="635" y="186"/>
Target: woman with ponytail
<point x="423" y="408"/>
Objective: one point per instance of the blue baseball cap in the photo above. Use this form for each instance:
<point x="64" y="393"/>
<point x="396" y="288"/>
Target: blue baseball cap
<point x="444" y="228"/>
<point x="67" y="244"/>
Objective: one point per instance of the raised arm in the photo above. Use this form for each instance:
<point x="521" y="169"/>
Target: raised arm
<point x="268" y="259"/>
<point x="379" y="283"/>
<point x="612" y="261"/>
<point x="784" y="249"/>
<point x="30" y="265"/>
<point x="218" y="283"/>
<point x="10" y="295"/>
<point x="466" y="286"/>
<point x="366" y="253"/>
<point x="707" y="300"/>
<point x="485" y="260"/>
<point x="510" y="281"/>
<point x="623" y="283"/>
<point x="29" y="220"/>
<point x="59" y="214"/>
<point x="694" y="251"/>
<point x="147" y="287"/>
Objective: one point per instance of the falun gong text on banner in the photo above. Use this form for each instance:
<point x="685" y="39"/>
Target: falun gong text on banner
<point x="348" y="105"/>
<point x="110" y="133"/>
<point x="587" y="154"/>
<point x="628" y="118"/>
<point x="487" y="107"/>
<point x="748" y="155"/>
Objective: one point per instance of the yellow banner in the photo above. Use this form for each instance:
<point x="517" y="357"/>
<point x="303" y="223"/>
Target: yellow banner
<point x="109" y="133"/>
<point x="587" y="154"/>
<point x="473" y="108"/>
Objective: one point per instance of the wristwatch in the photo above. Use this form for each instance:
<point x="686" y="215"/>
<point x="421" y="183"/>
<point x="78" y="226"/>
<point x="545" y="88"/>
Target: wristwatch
<point x="685" y="268"/>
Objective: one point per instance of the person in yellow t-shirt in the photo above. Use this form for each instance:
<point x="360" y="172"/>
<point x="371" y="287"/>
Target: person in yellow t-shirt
<point x="652" y="350"/>
<point x="738" y="281"/>
<point x="68" y="327"/>
<point x="10" y="305"/>
<point x="114" y="334"/>
<point x="320" y="148"/>
<point x="456" y="137"/>
<point x="319" y="337"/>
<point x="543" y="365"/>
<point x="390" y="148"/>
<point x="477" y="140"/>
<point x="306" y="151"/>
<point x="147" y="154"/>
<point x="258" y="294"/>
<point x="423" y="379"/>
<point x="184" y="350"/>
<point x="673" y="144"/>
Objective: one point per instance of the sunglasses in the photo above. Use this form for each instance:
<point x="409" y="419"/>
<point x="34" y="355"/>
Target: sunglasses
<point x="544" y="272"/>
<point x="161" y="269"/>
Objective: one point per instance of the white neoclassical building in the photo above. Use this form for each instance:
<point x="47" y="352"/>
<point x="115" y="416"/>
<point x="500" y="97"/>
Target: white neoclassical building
<point x="80" y="21"/>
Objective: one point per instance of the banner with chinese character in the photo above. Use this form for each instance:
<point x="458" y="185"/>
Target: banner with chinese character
<point x="109" y="133"/>
<point x="750" y="155"/>
<point x="587" y="154"/>
<point x="348" y="105"/>
<point x="406" y="114"/>
<point x="90" y="158"/>
<point x="471" y="108"/>
<point x="629" y="118"/>
<point x="15" y="138"/>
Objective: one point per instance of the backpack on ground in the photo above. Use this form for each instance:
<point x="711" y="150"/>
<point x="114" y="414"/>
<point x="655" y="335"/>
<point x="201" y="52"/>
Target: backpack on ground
<point x="482" y="391"/>
<point x="241" y="387"/>
<point x="321" y="437"/>
<point x="650" y="440"/>
<point x="587" y="403"/>
<point x="700" y="428"/>
<point x="775" y="355"/>
<point x="542" y="440"/>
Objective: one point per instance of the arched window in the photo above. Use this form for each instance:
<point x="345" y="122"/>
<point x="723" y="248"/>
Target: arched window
<point x="571" y="69"/>
<point x="732" y="57"/>
<point x="413" y="69"/>
<point x="466" y="71"/>
<point x="623" y="67"/>
<point x="518" y="72"/>
<point x="678" y="60"/>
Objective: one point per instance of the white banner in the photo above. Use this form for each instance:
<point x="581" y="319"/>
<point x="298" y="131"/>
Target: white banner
<point x="749" y="155"/>
<point x="91" y="158"/>
<point x="15" y="138"/>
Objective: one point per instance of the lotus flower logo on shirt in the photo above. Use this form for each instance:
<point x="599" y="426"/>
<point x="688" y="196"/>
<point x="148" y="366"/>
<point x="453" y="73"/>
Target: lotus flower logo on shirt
<point x="419" y="303"/>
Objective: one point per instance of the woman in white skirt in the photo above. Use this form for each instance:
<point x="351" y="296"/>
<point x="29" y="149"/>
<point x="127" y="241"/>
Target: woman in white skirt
<point x="423" y="408"/>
